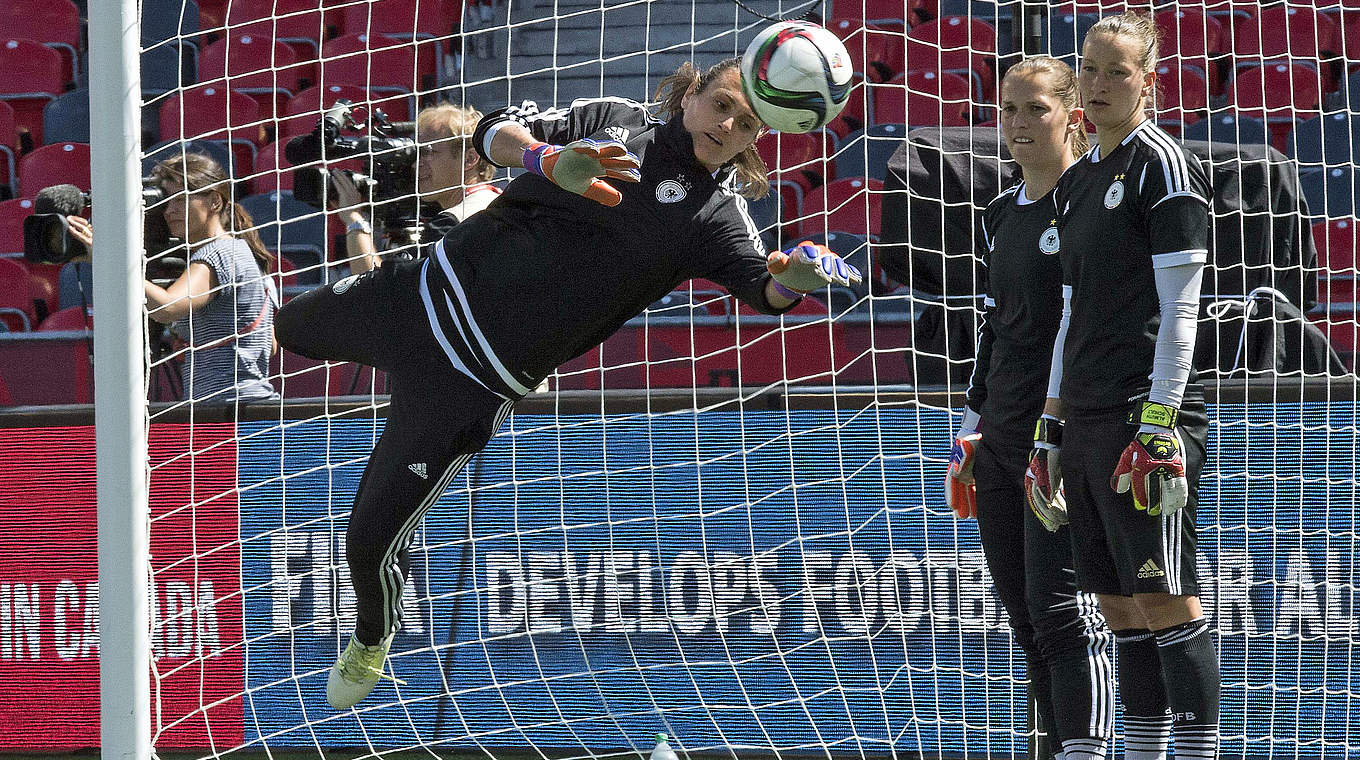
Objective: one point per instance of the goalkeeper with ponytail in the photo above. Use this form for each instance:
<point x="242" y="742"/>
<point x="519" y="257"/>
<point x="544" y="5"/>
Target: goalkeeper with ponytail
<point x="1134" y="221"/>
<point x="617" y="208"/>
<point x="1065" y="640"/>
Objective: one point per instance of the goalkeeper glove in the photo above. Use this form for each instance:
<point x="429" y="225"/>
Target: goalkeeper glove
<point x="1151" y="465"/>
<point x="1043" y="477"/>
<point x="960" y="490"/>
<point x="583" y="165"/>
<point x="809" y="266"/>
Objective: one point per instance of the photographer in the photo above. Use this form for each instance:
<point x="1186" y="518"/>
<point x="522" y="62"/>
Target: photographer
<point x="449" y="173"/>
<point x="223" y="303"/>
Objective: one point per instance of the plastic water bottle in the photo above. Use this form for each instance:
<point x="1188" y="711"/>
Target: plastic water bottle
<point x="663" y="749"/>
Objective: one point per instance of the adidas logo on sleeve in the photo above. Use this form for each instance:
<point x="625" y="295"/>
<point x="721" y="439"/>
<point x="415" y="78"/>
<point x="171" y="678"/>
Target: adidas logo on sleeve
<point x="1150" y="570"/>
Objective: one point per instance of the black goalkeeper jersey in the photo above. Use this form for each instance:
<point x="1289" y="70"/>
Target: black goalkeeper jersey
<point x="1144" y="206"/>
<point x="1022" y="310"/>
<point x="543" y="275"/>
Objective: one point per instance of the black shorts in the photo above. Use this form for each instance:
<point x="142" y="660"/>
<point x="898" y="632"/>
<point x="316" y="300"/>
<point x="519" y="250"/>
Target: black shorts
<point x="1116" y="548"/>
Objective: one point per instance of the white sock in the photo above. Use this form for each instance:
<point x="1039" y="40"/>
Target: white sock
<point x="1146" y="738"/>
<point x="1088" y="748"/>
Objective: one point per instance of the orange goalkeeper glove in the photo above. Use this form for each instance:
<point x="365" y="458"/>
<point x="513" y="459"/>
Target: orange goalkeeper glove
<point x="582" y="167"/>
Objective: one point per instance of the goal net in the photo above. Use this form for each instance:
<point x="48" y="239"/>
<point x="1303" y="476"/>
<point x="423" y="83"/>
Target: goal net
<point x="721" y="526"/>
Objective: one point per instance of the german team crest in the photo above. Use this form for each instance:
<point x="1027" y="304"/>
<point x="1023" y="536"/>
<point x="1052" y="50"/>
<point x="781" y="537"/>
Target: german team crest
<point x="1115" y="194"/>
<point x="1048" y="242"/>
<point x="670" y="191"/>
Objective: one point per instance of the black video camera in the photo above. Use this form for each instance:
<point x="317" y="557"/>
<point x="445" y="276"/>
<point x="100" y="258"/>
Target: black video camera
<point x="47" y="233"/>
<point x="389" y="149"/>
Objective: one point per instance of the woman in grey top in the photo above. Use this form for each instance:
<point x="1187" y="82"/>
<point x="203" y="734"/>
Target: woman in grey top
<point x="223" y="304"/>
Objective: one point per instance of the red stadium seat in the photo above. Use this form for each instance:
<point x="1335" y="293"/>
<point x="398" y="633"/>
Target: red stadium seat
<point x="54" y="23"/>
<point x="68" y="319"/>
<point x="1336" y="245"/>
<point x="846" y="205"/>
<point x="956" y="44"/>
<point x="379" y="63"/>
<point x="210" y="112"/>
<point x="1182" y="97"/>
<point x="43" y="280"/>
<point x="855" y="114"/>
<point x="252" y="64"/>
<point x="801" y="158"/>
<point x="16" y="299"/>
<point x="9" y="146"/>
<point x="923" y="98"/>
<point x="1289" y="34"/>
<point x="877" y="53"/>
<point x="56" y="164"/>
<point x="1190" y="38"/>
<point x="1280" y="93"/>
<point x="272" y="170"/>
<point x="32" y="76"/>
<point x="12" y="215"/>
<point x="903" y="12"/>
<point x="402" y="18"/>
<point x="301" y="24"/>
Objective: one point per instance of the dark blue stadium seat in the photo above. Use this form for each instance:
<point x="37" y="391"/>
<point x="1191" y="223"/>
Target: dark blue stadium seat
<point x="765" y="213"/>
<point x="865" y="152"/>
<point x="289" y="226"/>
<point x="166" y="67"/>
<point x="67" y="118"/>
<point x="1066" y="31"/>
<point x="1325" y="139"/>
<point x="1330" y="192"/>
<point x="1228" y="128"/>
<point x="75" y="285"/>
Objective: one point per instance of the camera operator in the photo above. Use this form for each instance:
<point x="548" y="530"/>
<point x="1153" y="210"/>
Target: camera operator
<point x="449" y="173"/>
<point x="223" y="303"/>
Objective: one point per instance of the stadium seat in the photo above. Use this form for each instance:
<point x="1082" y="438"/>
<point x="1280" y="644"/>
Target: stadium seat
<point x="9" y="145"/>
<point x="902" y="12"/>
<point x="32" y="77"/>
<point x="406" y="19"/>
<point x="379" y="63"/>
<point x="1182" y="97"/>
<point x="1279" y="93"/>
<point x="55" y="164"/>
<point x="54" y="23"/>
<point x="1330" y="192"/>
<point x="165" y="67"/>
<point x="289" y="227"/>
<point x="1328" y="140"/>
<point x="923" y="98"/>
<point x="1066" y="31"/>
<point x="71" y="319"/>
<point x="43" y="282"/>
<point x="855" y="114"/>
<point x="272" y="170"/>
<point x="67" y="117"/>
<point x="959" y="45"/>
<point x="176" y="20"/>
<point x="1288" y="32"/>
<point x="765" y="214"/>
<point x="300" y="24"/>
<point x="1191" y="38"/>
<point x="865" y="153"/>
<point x="255" y="65"/>
<point x="802" y="158"/>
<point x="16" y="300"/>
<point x="851" y="204"/>
<point x="12" y="215"/>
<point x="877" y="53"/>
<point x="1227" y="127"/>
<point x="208" y="112"/>
<point x="1336" y="245"/>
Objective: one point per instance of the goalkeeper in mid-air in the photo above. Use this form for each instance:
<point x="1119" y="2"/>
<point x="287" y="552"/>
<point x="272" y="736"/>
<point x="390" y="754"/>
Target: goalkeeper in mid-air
<point x="1066" y="642"/>
<point x="1133" y="217"/>
<point x="616" y="209"/>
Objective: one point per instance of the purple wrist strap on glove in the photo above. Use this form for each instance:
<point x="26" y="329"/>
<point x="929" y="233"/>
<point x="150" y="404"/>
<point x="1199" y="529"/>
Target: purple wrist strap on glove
<point x="533" y="157"/>
<point x="785" y="292"/>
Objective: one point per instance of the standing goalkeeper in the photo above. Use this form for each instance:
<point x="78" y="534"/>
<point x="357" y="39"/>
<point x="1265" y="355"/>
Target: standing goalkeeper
<point x="616" y="209"/>
<point x="1134" y="221"/>
<point x="1065" y="640"/>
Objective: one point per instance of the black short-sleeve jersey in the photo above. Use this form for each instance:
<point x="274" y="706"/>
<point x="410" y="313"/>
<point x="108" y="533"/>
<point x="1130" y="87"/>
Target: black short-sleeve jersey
<point x="543" y="275"/>
<point x="1144" y="206"/>
<point x="1022" y="310"/>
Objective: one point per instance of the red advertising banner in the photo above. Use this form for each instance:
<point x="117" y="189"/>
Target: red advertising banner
<point x="49" y="599"/>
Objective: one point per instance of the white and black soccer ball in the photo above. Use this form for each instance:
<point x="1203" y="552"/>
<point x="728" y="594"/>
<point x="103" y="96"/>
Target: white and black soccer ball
<point x="797" y="76"/>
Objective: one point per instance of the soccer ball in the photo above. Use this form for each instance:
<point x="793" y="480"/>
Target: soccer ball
<point x="796" y="75"/>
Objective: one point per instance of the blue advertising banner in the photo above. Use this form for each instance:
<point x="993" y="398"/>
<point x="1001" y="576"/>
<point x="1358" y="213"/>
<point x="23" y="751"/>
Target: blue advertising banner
<point x="766" y="580"/>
